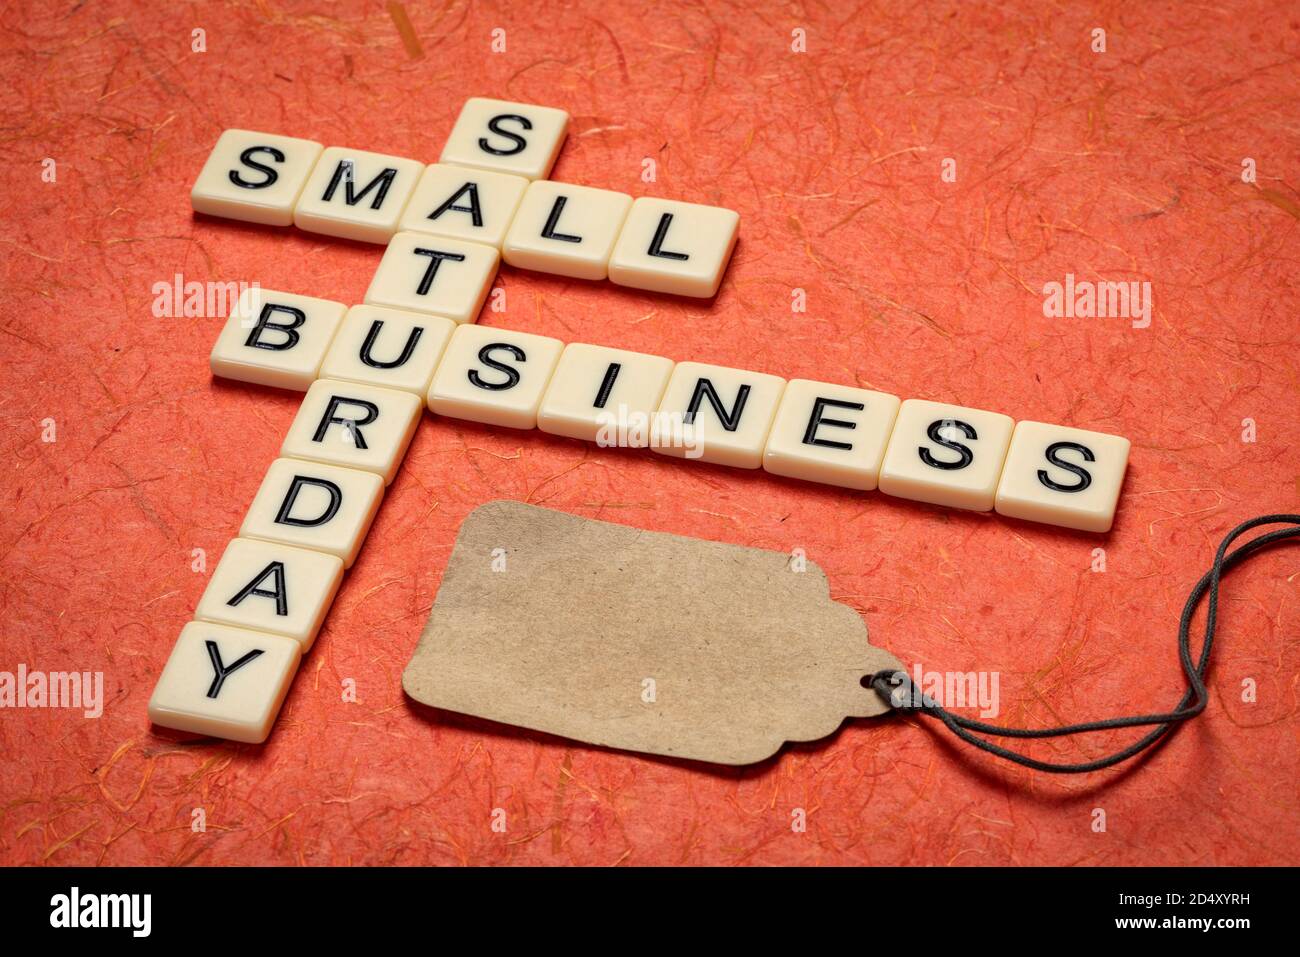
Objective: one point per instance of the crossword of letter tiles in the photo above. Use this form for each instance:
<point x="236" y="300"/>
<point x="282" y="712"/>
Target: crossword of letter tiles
<point x="488" y="188"/>
<point x="368" y="370"/>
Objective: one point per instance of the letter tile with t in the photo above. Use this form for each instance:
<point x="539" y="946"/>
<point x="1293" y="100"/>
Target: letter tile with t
<point x="424" y="273"/>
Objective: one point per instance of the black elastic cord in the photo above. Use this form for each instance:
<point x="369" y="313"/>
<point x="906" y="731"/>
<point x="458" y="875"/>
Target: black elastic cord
<point x="896" y="688"/>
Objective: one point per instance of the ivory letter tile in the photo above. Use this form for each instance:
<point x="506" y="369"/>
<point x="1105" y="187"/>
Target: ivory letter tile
<point x="946" y="455"/>
<point x="256" y="177"/>
<point x="607" y="396"/>
<point x="388" y="348"/>
<point x="271" y="587"/>
<point x="495" y="376"/>
<point x="354" y="425"/>
<point x="276" y="338"/>
<point x="424" y="273"/>
<point x="678" y="248"/>
<point x="729" y="413"/>
<point x="356" y="195"/>
<point x="225" y="682"/>
<point x="830" y="433"/>
<point x="469" y="204"/>
<point x="313" y="505"/>
<point x="566" y="230"/>
<point x="517" y="138"/>
<point x="1063" y="476"/>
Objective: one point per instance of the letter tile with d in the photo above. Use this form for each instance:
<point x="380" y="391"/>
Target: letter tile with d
<point x="315" y="506"/>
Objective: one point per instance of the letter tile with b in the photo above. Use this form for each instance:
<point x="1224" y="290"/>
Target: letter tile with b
<point x="272" y="587"/>
<point x="312" y="505"/>
<point x="276" y="338"/>
<point x="354" y="425"/>
<point x="223" y="681"/>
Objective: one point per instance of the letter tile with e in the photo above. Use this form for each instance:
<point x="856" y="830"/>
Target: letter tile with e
<point x="833" y="434"/>
<point x="604" y="395"/>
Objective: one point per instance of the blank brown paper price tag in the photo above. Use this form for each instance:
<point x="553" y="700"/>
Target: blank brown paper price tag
<point x="640" y="640"/>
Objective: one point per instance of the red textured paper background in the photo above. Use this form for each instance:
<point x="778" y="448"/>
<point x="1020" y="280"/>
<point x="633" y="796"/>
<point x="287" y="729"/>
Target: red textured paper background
<point x="1117" y="166"/>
